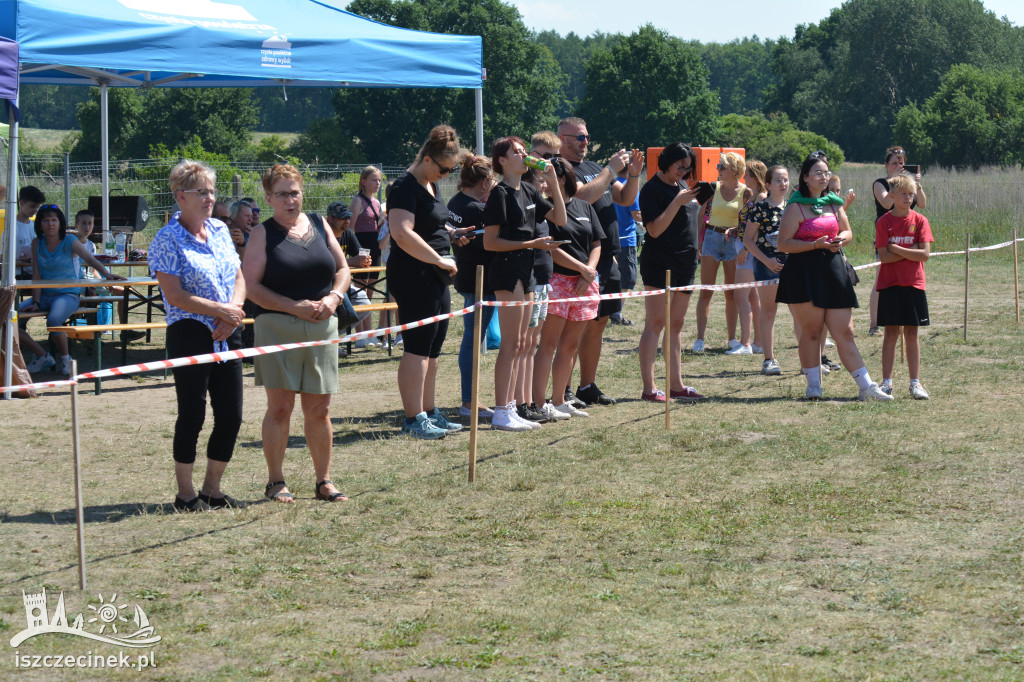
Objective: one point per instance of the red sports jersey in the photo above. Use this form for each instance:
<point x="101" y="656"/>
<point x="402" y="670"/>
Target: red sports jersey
<point x="906" y="231"/>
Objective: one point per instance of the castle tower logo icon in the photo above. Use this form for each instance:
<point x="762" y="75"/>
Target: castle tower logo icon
<point x="108" y="617"/>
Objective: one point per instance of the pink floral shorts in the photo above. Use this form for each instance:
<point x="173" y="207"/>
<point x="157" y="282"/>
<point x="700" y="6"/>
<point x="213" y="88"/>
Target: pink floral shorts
<point x="564" y="286"/>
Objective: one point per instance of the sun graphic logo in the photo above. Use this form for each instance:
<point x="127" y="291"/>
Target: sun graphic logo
<point x="108" y="614"/>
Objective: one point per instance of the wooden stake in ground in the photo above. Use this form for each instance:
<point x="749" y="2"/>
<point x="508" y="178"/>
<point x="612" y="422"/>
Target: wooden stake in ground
<point x="1016" y="281"/>
<point x="474" y="416"/>
<point x="79" y="511"/>
<point x="967" y="276"/>
<point x="667" y="348"/>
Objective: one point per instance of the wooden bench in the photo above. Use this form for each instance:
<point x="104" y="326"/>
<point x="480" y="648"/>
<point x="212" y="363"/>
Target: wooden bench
<point x="81" y="312"/>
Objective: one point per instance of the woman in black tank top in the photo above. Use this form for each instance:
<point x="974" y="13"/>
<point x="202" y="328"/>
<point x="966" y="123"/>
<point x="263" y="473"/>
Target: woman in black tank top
<point x="296" y="275"/>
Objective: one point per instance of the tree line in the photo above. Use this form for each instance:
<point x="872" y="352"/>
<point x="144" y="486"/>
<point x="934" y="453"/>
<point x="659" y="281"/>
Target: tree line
<point x="940" y="77"/>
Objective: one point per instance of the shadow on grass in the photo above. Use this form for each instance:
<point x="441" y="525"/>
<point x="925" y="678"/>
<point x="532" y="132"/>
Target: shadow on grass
<point x="92" y="511"/>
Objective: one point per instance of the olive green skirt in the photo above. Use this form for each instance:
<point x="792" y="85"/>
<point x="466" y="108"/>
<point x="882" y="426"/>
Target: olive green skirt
<point x="304" y="370"/>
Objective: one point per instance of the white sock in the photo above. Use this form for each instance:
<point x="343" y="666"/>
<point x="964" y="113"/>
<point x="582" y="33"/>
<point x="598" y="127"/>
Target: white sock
<point x="581" y="388"/>
<point x="813" y="375"/>
<point x="862" y="377"/>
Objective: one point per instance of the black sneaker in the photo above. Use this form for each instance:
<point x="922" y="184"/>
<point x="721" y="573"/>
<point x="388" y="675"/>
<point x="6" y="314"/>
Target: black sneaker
<point x="196" y="504"/>
<point x="225" y="501"/>
<point x="571" y="398"/>
<point x="592" y="395"/>
<point x="531" y="413"/>
<point x="829" y="363"/>
<point x="625" y="322"/>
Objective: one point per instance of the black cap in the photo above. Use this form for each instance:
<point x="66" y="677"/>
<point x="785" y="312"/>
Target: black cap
<point x="339" y="210"/>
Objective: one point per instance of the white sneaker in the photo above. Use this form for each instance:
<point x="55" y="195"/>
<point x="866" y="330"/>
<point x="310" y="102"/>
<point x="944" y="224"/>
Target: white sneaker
<point x="771" y="367"/>
<point x="375" y="342"/>
<point x="65" y="367"/>
<point x="873" y="392"/>
<point x="502" y="421"/>
<point x="733" y="344"/>
<point x="829" y="342"/>
<point x="741" y="350"/>
<point x="398" y="340"/>
<point x="514" y="413"/>
<point x="825" y="370"/>
<point x="758" y="350"/>
<point x="552" y="413"/>
<point x="917" y="391"/>
<point x="698" y="346"/>
<point x="41" y="364"/>
<point x="568" y="409"/>
<point x="813" y="393"/>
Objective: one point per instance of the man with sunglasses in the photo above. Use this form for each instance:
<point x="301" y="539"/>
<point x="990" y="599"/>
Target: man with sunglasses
<point x="597" y="188"/>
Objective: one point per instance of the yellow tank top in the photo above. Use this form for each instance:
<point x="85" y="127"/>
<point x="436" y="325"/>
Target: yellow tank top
<point x="726" y="213"/>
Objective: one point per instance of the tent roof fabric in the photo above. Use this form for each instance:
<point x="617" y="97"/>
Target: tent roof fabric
<point x="219" y="43"/>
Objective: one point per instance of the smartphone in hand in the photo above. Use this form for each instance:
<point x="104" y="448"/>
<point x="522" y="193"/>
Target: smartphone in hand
<point x="913" y="169"/>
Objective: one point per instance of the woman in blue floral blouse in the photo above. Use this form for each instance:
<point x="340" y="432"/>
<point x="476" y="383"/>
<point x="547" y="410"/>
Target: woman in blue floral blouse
<point x="200" y="278"/>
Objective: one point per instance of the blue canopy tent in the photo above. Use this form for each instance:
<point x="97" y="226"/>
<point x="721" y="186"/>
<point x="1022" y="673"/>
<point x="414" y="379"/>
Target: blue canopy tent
<point x="224" y="43"/>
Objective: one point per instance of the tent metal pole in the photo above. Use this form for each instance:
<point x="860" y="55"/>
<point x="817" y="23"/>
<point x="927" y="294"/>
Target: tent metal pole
<point x="105" y="162"/>
<point x="10" y="249"/>
<point x="479" y="96"/>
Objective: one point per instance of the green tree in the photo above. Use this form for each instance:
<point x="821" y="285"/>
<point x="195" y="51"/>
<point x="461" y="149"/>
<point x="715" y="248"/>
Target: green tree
<point x="51" y="106"/>
<point x="775" y="140"/>
<point x="139" y="121"/>
<point x="649" y="88"/>
<point x="846" y="77"/>
<point x="740" y="71"/>
<point x="572" y="54"/>
<point x="975" y="118"/>
<point x="388" y="125"/>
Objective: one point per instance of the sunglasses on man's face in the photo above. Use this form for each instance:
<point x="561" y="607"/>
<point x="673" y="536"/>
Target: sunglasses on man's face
<point x="579" y="138"/>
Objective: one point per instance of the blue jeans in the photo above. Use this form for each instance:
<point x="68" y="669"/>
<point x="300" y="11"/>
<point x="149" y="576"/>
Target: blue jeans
<point x="627" y="267"/>
<point x="58" y="307"/>
<point x="466" y="349"/>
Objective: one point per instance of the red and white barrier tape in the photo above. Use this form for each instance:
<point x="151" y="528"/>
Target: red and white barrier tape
<point x="265" y="350"/>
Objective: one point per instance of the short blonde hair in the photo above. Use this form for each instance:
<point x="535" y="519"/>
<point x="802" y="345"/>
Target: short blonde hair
<point x="188" y="173"/>
<point x="903" y="182"/>
<point x="280" y="171"/>
<point x="757" y="169"/>
<point x="548" y="139"/>
<point x="735" y="163"/>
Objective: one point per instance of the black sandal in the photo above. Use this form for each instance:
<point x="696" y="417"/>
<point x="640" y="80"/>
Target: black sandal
<point x="225" y="501"/>
<point x="329" y="497"/>
<point x="278" y="496"/>
<point x="194" y="505"/>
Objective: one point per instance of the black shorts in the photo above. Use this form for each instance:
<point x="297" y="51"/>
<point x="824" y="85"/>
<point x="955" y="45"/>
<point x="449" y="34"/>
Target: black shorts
<point x="609" y="306"/>
<point x="368" y="240"/>
<point x="510" y="267"/>
<point x="818" y="277"/>
<point x="902" y="307"/>
<point x="654" y="263"/>
<point x="419" y="294"/>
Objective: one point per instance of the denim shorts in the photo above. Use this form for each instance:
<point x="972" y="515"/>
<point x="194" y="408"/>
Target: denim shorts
<point x="761" y="271"/>
<point x="747" y="263"/>
<point x="539" y="312"/>
<point x="718" y="247"/>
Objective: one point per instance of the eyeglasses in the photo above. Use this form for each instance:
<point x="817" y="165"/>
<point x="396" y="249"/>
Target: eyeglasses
<point x="55" y="207"/>
<point x="294" y="194"/>
<point x="579" y="138"/>
<point x="821" y="174"/>
<point x="444" y="171"/>
<point x="255" y="211"/>
<point x="202" y="193"/>
<point x="722" y="167"/>
<point x="550" y="155"/>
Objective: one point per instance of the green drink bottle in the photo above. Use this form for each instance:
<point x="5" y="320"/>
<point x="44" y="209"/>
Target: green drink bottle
<point x="536" y="164"/>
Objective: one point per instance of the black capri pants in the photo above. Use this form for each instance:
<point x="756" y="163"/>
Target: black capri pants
<point x="420" y="293"/>
<point x="222" y="380"/>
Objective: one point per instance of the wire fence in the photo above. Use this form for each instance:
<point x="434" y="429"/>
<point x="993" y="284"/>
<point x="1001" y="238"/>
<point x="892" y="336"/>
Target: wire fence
<point x="70" y="184"/>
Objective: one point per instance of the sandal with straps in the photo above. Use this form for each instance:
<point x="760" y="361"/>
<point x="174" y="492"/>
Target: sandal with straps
<point x="278" y="496"/>
<point x="329" y="497"/>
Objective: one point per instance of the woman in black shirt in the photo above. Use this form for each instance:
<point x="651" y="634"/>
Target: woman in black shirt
<point x="466" y="216"/>
<point x="510" y="228"/>
<point x="420" y="270"/>
<point x="670" y="211"/>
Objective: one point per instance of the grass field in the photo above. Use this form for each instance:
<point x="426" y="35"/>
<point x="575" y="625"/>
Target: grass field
<point x="760" y="538"/>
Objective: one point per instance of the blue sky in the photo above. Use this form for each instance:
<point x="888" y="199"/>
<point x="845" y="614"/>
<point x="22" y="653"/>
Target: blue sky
<point x="704" y="21"/>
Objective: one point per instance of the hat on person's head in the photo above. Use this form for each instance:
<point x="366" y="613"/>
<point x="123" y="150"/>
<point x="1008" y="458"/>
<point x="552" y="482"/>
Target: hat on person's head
<point x="339" y="210"/>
